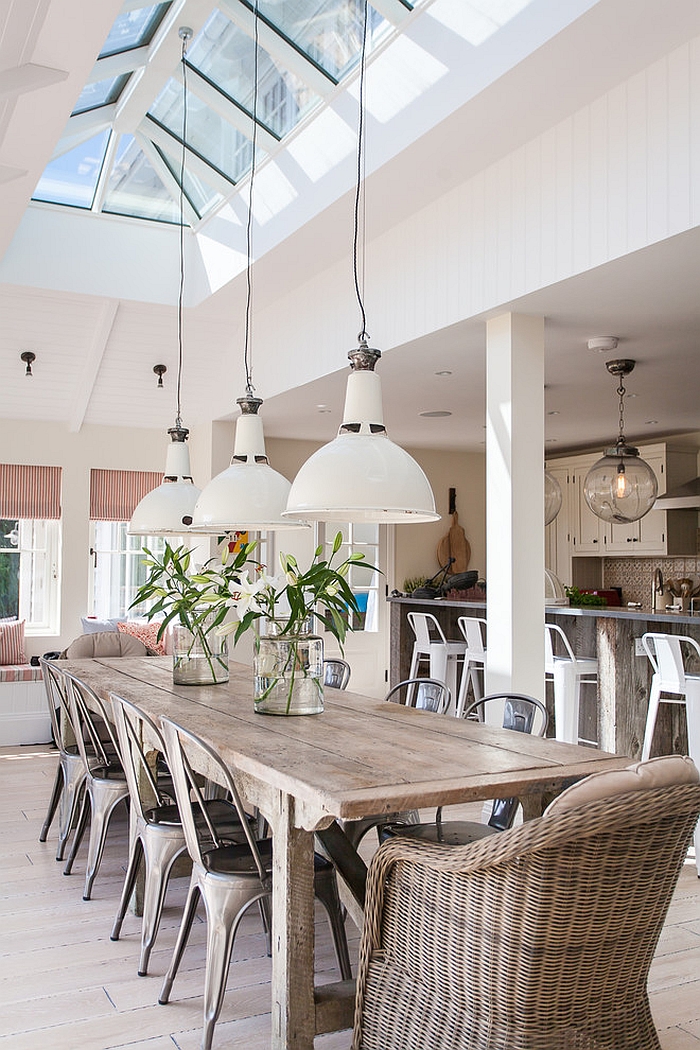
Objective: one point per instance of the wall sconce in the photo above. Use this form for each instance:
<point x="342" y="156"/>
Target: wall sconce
<point x="27" y="356"/>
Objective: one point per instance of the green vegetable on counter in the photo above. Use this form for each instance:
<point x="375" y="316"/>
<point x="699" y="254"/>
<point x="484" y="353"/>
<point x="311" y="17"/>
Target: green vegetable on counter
<point x="577" y="598"/>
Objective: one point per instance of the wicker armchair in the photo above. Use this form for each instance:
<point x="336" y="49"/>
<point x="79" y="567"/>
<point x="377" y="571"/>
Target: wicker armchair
<point x="539" y="938"/>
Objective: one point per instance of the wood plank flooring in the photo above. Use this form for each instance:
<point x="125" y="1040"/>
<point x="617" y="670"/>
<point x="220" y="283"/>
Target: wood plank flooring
<point x="65" y="986"/>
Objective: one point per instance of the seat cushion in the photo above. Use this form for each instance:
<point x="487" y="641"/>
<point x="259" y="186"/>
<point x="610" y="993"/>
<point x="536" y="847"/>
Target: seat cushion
<point x="665" y="771"/>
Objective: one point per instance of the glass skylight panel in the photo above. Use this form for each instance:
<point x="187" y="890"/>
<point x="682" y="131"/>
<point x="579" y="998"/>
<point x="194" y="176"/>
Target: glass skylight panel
<point x="135" y="189"/>
<point x="72" y="177"/>
<point x="101" y="93"/>
<point x="133" y="29"/>
<point x="328" y="31"/>
<point x="223" y="53"/>
<point x="208" y="134"/>
<point x="201" y="196"/>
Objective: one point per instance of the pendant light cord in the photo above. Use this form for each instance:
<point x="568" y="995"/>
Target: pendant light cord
<point x="621" y="394"/>
<point x="248" y="337"/>
<point x="185" y="35"/>
<point x="359" y="227"/>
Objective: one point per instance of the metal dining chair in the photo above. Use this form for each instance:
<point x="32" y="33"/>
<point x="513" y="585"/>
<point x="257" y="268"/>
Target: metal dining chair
<point x="336" y="673"/>
<point x="228" y="878"/>
<point x="70" y="772"/>
<point x="105" y="780"/>
<point x="521" y="713"/>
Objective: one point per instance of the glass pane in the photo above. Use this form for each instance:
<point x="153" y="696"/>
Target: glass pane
<point x="133" y="29"/>
<point x="135" y="189"/>
<point x="328" y="31"/>
<point x="9" y="534"/>
<point x="101" y="93"/>
<point x="9" y="568"/>
<point x="72" y="178"/>
<point x="201" y="195"/>
<point x="365" y="532"/>
<point x="119" y="569"/>
<point x="224" y="54"/>
<point x="208" y="134"/>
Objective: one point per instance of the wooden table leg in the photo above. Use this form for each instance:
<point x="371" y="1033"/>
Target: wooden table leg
<point x="293" y="1011"/>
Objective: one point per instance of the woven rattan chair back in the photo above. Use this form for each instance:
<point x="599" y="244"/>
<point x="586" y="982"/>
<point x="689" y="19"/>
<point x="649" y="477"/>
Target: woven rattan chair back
<point x="539" y="937"/>
<point x="336" y="673"/>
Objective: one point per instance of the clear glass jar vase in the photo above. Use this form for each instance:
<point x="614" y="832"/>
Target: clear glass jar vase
<point x="200" y="657"/>
<point x="288" y="672"/>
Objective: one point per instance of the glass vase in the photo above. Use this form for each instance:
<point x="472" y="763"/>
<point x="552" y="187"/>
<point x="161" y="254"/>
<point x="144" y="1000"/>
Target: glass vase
<point x="200" y="657"/>
<point x="288" y="672"/>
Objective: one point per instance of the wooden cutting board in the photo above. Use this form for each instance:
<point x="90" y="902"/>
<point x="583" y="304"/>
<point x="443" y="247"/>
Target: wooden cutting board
<point x="455" y="545"/>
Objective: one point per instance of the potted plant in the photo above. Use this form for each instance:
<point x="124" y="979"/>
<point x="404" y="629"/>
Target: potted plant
<point x="288" y="663"/>
<point x="196" y="604"/>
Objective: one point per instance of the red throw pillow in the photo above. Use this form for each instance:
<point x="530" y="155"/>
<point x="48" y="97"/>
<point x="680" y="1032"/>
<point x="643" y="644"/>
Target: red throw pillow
<point x="12" y="643"/>
<point x="146" y="633"/>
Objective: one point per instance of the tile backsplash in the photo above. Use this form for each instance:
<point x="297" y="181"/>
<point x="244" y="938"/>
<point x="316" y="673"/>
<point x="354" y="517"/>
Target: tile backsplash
<point x="635" y="575"/>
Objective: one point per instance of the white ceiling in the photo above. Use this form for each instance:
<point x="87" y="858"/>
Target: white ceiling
<point x="95" y="354"/>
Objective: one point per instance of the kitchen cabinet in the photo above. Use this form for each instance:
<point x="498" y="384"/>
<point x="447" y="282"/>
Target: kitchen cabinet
<point x="576" y="531"/>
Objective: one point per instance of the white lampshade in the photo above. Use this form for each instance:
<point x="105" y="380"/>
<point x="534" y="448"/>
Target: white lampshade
<point x="361" y="475"/>
<point x="161" y="511"/>
<point x="249" y="495"/>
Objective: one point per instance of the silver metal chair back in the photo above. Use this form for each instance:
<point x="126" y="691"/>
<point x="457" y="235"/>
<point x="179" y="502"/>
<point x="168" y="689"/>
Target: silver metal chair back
<point x="426" y="694"/>
<point x="336" y="673"/>
<point x="70" y="771"/>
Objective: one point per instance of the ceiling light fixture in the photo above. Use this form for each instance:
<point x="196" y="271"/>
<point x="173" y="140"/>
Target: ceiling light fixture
<point x="603" y="344"/>
<point x="249" y="495"/>
<point x="161" y="511"/>
<point x="361" y="475"/>
<point x="28" y="357"/>
<point x="620" y="487"/>
<point x="436" y="413"/>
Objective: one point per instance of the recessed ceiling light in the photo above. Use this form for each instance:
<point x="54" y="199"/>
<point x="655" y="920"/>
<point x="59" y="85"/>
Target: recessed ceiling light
<point x="631" y="395"/>
<point x="322" y="408"/>
<point x="437" y="414"/>
<point x="648" y="422"/>
<point x="552" y="413"/>
<point x="444" y="372"/>
<point x="550" y="441"/>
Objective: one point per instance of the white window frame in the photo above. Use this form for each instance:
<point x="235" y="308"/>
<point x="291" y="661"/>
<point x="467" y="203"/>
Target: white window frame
<point x="32" y="578"/>
<point x="129" y="558"/>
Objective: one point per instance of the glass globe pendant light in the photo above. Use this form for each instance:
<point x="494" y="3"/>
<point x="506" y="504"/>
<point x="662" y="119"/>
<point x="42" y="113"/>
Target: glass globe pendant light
<point x="552" y="497"/>
<point x="249" y="495"/>
<point x="361" y="475"/>
<point x="161" y="511"/>
<point x="620" y="487"/>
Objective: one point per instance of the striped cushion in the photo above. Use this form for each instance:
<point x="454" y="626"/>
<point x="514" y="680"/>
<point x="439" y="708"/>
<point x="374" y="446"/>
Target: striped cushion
<point x="12" y="643"/>
<point x="20" y="673"/>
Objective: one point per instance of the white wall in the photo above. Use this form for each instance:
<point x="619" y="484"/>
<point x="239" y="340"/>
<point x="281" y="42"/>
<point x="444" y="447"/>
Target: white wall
<point x="51" y="444"/>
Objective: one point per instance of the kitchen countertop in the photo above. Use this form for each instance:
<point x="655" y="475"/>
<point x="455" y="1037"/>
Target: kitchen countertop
<point x="617" y="612"/>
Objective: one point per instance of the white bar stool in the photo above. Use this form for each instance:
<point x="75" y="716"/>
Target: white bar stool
<point x="432" y="645"/>
<point x="474" y="630"/>
<point x="567" y="673"/>
<point x="666" y="657"/>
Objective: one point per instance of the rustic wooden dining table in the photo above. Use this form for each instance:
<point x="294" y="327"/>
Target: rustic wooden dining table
<point x="361" y="756"/>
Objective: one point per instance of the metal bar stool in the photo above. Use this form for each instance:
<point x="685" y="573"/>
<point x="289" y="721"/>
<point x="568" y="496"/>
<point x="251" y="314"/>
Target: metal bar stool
<point x="567" y="673"/>
<point x="474" y="630"/>
<point x="432" y="645"/>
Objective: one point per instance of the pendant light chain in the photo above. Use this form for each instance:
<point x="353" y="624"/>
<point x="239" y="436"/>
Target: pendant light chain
<point x="359" y="222"/>
<point x="621" y="394"/>
<point x="185" y="35"/>
<point x="247" y="356"/>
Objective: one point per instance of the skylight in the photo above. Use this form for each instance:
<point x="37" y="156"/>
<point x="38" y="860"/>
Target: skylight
<point x="120" y="152"/>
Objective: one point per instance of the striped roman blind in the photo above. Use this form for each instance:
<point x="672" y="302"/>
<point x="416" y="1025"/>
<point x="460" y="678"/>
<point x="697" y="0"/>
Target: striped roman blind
<point x="115" y="493"/>
<point x="29" y="492"/>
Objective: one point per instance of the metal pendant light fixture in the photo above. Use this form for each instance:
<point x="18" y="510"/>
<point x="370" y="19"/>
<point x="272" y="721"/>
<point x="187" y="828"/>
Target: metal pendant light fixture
<point x="161" y="511"/>
<point x="552" y="497"/>
<point x="620" y="487"/>
<point x="361" y="475"/>
<point x="249" y="495"/>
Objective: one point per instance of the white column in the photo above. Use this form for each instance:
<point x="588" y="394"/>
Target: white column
<point x="515" y="504"/>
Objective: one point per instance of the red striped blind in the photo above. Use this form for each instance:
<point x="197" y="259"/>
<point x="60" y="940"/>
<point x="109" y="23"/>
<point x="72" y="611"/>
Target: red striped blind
<point x="115" y="493"/>
<point x="29" y="492"/>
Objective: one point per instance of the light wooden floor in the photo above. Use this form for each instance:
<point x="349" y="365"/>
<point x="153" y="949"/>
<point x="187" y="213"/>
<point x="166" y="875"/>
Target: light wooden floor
<point x="65" y="986"/>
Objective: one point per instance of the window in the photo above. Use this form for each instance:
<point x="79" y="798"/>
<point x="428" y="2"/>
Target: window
<point x="117" y="567"/>
<point x="29" y="572"/>
<point x="362" y="538"/>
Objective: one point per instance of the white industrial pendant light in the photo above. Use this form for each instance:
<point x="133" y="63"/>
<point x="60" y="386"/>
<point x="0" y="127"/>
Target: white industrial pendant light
<point x="552" y="497"/>
<point x="361" y="475"/>
<point x="620" y="487"/>
<point x="161" y="511"/>
<point x="249" y="495"/>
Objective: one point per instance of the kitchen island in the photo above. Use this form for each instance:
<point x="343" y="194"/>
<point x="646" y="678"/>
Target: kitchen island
<point x="612" y="715"/>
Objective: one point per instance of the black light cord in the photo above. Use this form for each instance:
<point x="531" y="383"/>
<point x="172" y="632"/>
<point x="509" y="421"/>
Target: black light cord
<point x="181" y="288"/>
<point x="249" y="225"/>
<point x="363" y="335"/>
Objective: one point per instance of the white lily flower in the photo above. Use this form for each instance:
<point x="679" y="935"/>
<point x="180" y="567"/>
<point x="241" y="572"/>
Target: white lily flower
<point x="244" y="596"/>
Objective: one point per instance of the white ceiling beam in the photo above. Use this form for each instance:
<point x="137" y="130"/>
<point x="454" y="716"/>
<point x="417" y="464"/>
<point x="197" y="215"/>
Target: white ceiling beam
<point x="9" y="174"/>
<point x="82" y="127"/>
<point x="226" y="109"/>
<point x="93" y="360"/>
<point x="195" y="165"/>
<point x="28" y="77"/>
<point x="168" y="179"/>
<point x="278" y="47"/>
<point x="116" y="65"/>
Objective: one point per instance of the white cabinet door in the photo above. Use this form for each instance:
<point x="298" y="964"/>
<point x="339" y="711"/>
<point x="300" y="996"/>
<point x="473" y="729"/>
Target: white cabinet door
<point x="652" y="527"/>
<point x="590" y="533"/>
<point x="558" y="532"/>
